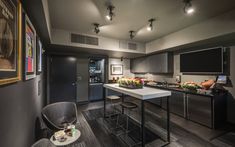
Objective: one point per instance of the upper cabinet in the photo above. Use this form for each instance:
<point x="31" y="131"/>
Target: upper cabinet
<point x="138" y="65"/>
<point x="158" y="63"/>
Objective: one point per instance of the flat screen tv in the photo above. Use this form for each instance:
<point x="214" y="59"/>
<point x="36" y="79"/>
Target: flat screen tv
<point x="207" y="61"/>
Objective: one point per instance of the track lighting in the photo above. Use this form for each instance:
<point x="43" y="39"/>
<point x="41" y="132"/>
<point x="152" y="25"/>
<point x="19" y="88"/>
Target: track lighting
<point x="188" y="8"/>
<point x="97" y="29"/>
<point x="150" y="26"/>
<point x="110" y="15"/>
<point x="132" y="35"/>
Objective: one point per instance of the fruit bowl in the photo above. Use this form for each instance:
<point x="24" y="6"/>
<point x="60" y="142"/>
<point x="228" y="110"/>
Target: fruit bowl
<point x="131" y="83"/>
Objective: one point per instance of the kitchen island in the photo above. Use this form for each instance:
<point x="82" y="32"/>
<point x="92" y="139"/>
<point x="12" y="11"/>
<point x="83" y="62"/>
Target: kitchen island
<point x="146" y="93"/>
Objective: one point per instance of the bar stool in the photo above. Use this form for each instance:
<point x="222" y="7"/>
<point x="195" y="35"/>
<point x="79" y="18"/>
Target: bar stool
<point x="113" y="101"/>
<point x="129" y="106"/>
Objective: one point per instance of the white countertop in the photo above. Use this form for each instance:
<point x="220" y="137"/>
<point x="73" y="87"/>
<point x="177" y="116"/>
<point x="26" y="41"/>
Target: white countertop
<point x="143" y="94"/>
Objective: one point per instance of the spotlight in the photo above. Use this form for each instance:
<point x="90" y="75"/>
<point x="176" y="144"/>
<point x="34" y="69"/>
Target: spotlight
<point x="150" y="26"/>
<point x="96" y="29"/>
<point x="110" y="15"/>
<point x="132" y="35"/>
<point x="188" y="8"/>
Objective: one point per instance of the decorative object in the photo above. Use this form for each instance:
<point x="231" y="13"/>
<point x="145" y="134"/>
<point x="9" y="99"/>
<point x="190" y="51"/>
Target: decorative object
<point x="191" y="86"/>
<point x="116" y="69"/>
<point x="29" y="49"/>
<point x="132" y="83"/>
<point x="10" y="41"/>
<point x="39" y="56"/>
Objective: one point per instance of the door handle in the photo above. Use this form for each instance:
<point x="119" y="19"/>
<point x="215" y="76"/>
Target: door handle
<point x="74" y="84"/>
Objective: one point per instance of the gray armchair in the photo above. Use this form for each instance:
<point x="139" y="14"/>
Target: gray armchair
<point x="57" y="115"/>
<point x="43" y="143"/>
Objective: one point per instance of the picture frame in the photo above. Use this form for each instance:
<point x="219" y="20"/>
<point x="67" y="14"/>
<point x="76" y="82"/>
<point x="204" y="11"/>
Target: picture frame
<point x="39" y="56"/>
<point x="10" y="41"/>
<point x="116" y="69"/>
<point x="29" y="49"/>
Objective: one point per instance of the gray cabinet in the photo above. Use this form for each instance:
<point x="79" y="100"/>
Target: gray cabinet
<point x="177" y="103"/>
<point x="139" y="65"/>
<point x="157" y="63"/>
<point x="200" y="109"/>
<point x="95" y="92"/>
<point x="160" y="63"/>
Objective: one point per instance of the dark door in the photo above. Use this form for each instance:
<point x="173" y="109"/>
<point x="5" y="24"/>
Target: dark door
<point x="63" y="78"/>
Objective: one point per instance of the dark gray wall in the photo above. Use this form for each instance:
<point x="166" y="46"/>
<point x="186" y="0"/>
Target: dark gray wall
<point x="20" y="105"/>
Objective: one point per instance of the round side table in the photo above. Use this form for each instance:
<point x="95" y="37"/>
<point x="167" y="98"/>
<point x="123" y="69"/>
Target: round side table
<point x="69" y="139"/>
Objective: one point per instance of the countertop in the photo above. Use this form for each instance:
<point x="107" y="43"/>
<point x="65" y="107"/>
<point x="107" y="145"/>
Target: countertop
<point x="143" y="94"/>
<point x="185" y="91"/>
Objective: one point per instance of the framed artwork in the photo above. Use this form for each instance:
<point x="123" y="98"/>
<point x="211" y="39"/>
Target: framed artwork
<point x="116" y="69"/>
<point x="10" y="41"/>
<point x="39" y="56"/>
<point x="29" y="46"/>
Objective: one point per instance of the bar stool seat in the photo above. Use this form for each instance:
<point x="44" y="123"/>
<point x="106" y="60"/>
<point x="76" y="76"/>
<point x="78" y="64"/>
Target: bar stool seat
<point x="128" y="105"/>
<point x="113" y="97"/>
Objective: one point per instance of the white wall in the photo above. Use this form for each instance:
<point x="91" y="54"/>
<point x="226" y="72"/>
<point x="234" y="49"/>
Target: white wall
<point x="126" y="67"/>
<point x="217" y="26"/>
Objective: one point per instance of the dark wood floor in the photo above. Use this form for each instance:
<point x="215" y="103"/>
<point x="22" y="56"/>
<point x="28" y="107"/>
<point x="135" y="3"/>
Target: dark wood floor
<point x="180" y="137"/>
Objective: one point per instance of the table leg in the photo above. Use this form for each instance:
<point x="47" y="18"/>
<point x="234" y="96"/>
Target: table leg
<point x="168" y="120"/>
<point x="104" y="93"/>
<point x="142" y="124"/>
<point x="122" y="101"/>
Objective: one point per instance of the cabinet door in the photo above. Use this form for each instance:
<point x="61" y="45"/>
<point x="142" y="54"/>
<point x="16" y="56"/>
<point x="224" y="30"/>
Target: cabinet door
<point x="177" y="103"/>
<point x="157" y="63"/>
<point x="139" y="65"/>
<point x="200" y="109"/>
<point x="160" y="63"/>
<point x="96" y="92"/>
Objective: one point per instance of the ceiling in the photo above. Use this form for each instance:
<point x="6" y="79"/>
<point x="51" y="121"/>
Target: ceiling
<point x="78" y="16"/>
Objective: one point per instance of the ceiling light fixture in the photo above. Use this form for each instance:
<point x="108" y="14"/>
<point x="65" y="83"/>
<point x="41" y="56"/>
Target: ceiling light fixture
<point x="110" y="9"/>
<point x="150" y="26"/>
<point x="132" y="35"/>
<point x="97" y="29"/>
<point x="188" y="8"/>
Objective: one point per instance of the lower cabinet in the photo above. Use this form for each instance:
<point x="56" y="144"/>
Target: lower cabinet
<point x="95" y="91"/>
<point x="176" y="103"/>
<point x="207" y="110"/>
<point x="200" y="109"/>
